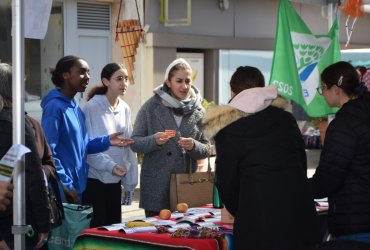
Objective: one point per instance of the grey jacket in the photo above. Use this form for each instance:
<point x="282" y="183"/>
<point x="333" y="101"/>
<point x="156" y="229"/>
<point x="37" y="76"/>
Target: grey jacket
<point x="160" y="161"/>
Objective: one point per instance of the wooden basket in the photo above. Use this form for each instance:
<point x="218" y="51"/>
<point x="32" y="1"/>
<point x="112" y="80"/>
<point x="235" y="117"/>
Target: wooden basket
<point x="129" y="33"/>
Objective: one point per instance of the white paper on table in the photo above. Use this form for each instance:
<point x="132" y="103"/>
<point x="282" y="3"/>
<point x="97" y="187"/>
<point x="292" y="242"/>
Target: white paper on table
<point x="206" y="224"/>
<point x="163" y="222"/>
<point x="198" y="210"/>
<point x="180" y="225"/>
<point x="112" y="227"/>
<point x="177" y="215"/>
<point x="131" y="230"/>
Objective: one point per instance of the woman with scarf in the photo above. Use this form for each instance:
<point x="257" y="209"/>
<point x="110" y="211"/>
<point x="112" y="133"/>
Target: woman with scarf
<point x="261" y="167"/>
<point x="176" y="105"/>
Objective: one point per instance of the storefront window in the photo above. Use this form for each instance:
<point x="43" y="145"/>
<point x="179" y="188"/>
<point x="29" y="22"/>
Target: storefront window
<point x="38" y="55"/>
<point x="230" y="60"/>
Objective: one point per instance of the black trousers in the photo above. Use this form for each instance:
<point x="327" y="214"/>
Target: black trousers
<point x="106" y="201"/>
<point x="149" y="213"/>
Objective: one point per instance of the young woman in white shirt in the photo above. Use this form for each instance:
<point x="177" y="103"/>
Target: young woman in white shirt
<point x="105" y="112"/>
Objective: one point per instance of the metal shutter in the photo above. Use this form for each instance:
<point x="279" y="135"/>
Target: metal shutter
<point x="93" y="16"/>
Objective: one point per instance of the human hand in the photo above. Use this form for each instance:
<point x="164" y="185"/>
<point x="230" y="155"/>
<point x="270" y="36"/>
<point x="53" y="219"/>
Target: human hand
<point x="161" y="138"/>
<point x="3" y="245"/>
<point x="186" y="143"/>
<point x="119" y="171"/>
<point x="6" y="194"/>
<point x="43" y="239"/>
<point x="74" y="196"/>
<point x="115" y="140"/>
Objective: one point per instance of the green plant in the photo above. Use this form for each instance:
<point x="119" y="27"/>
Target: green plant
<point x="140" y="156"/>
<point x="207" y="104"/>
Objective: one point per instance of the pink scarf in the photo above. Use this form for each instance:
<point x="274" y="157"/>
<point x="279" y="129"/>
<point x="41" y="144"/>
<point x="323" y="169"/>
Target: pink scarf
<point x="254" y="99"/>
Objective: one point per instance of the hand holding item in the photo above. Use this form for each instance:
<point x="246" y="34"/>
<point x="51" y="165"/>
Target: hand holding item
<point x="3" y="245"/>
<point x="116" y="140"/>
<point x="6" y="194"/>
<point x="186" y="143"/>
<point x="161" y="138"/>
<point x="170" y="133"/>
<point x="74" y="196"/>
<point x="119" y="171"/>
<point x="126" y="141"/>
<point x="43" y="239"/>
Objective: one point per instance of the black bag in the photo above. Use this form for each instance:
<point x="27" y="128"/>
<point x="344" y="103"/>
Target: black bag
<point x="55" y="202"/>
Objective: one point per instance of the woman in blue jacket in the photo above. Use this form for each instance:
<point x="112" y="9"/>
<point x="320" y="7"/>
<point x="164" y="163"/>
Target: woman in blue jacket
<point x="64" y="124"/>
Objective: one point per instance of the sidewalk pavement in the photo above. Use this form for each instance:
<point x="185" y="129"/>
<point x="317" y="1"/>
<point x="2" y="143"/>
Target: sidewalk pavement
<point x="133" y="212"/>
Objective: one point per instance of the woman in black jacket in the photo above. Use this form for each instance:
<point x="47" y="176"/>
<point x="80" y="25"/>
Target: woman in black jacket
<point x="261" y="167"/>
<point x="37" y="212"/>
<point x="343" y="174"/>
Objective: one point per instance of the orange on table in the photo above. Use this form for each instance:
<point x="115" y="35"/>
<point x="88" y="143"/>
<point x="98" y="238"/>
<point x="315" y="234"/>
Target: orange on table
<point x="165" y="214"/>
<point x="170" y="133"/>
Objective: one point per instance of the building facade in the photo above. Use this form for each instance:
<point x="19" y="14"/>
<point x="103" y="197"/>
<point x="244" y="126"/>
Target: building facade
<point x="215" y="36"/>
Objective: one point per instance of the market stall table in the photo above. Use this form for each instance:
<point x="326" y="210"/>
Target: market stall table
<point x="98" y="238"/>
<point x="120" y="236"/>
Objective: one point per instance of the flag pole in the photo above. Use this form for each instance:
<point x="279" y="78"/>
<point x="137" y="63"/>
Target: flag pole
<point x="330" y="23"/>
<point x="19" y="227"/>
<point x="330" y="15"/>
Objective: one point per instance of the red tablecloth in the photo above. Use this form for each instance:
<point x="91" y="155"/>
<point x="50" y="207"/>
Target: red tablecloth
<point x="94" y="238"/>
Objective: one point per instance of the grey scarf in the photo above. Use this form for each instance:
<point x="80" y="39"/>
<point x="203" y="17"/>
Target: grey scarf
<point x="183" y="107"/>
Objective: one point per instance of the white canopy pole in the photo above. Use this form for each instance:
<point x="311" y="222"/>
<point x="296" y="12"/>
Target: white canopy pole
<point x="330" y="15"/>
<point x="19" y="209"/>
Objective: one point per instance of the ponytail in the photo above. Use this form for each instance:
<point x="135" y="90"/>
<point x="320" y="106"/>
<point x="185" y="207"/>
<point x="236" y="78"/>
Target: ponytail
<point x="97" y="90"/>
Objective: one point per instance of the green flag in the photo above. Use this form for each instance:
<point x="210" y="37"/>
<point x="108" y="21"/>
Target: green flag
<point x="299" y="58"/>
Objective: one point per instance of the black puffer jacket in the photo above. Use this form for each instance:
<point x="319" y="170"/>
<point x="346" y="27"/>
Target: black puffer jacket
<point x="343" y="174"/>
<point x="262" y="177"/>
<point x="38" y="212"/>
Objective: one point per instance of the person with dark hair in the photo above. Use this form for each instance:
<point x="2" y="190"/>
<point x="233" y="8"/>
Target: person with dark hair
<point x="176" y="106"/>
<point x="105" y="113"/>
<point x="261" y="167"/>
<point x="343" y="173"/>
<point x="64" y="125"/>
<point x="38" y="211"/>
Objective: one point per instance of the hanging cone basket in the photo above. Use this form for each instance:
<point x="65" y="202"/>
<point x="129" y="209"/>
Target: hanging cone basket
<point x="129" y="33"/>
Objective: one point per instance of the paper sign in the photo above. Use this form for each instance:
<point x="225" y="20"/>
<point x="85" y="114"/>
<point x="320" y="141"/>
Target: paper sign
<point x="36" y="18"/>
<point x="9" y="160"/>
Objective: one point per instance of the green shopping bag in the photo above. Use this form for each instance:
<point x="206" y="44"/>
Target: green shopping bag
<point x="76" y="219"/>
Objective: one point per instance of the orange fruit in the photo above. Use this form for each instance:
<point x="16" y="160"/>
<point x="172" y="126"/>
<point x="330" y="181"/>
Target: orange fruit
<point x="182" y="207"/>
<point x="165" y="214"/>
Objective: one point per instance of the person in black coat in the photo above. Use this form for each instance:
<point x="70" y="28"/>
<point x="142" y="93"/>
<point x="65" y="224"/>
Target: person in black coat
<point x="343" y="174"/>
<point x="38" y="211"/>
<point x="261" y="167"/>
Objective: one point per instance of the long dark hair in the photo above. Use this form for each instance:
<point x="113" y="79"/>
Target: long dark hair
<point x="346" y="77"/>
<point x="106" y="73"/>
<point x="63" y="65"/>
<point x="246" y="77"/>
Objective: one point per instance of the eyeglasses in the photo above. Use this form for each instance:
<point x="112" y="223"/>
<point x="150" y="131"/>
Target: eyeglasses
<point x="321" y="89"/>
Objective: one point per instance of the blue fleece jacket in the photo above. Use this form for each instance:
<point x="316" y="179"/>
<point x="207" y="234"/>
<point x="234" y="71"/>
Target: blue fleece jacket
<point x="64" y="125"/>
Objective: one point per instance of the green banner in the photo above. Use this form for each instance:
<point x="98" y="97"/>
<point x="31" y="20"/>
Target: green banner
<point x="299" y="58"/>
